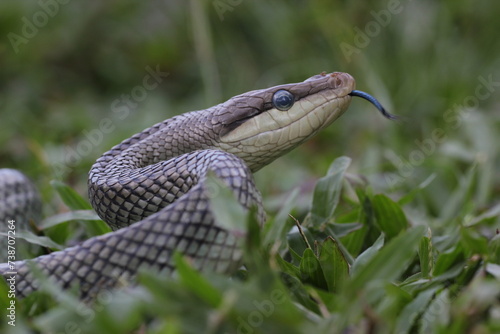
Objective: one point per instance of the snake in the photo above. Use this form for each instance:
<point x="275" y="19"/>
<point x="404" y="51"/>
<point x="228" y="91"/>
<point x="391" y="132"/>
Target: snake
<point x="152" y="188"/>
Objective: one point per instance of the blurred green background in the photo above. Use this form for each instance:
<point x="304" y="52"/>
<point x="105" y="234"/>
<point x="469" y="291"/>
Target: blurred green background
<point x="65" y="66"/>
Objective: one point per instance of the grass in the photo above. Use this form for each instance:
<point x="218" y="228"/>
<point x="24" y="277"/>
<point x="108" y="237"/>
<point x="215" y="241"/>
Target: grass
<point x="355" y="263"/>
<point x="401" y="237"/>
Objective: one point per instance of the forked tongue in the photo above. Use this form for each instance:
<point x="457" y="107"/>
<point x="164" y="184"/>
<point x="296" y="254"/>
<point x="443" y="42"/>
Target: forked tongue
<point x="375" y="102"/>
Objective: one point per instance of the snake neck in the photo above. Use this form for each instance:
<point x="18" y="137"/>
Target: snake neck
<point x="163" y="141"/>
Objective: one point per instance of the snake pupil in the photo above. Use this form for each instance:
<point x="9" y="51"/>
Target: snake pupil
<point x="283" y="100"/>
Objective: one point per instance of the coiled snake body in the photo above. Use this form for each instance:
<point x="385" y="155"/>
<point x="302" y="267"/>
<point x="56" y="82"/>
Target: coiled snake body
<point x="151" y="187"/>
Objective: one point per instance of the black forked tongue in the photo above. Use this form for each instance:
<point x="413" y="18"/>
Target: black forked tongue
<point x="375" y="102"/>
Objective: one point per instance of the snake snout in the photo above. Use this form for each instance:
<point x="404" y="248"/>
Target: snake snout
<point x="339" y="79"/>
<point x="333" y="80"/>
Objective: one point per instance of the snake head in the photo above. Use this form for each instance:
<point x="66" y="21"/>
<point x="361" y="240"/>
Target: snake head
<point x="261" y="125"/>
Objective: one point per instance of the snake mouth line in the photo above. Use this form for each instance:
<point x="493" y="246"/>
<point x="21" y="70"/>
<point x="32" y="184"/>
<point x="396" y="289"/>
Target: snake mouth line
<point x="375" y="102"/>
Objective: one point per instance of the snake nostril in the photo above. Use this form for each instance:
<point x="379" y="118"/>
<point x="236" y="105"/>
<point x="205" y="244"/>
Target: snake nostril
<point x="336" y="79"/>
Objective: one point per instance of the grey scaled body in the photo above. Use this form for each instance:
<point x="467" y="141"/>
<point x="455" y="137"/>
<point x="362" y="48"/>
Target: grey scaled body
<point x="20" y="205"/>
<point x="151" y="187"/>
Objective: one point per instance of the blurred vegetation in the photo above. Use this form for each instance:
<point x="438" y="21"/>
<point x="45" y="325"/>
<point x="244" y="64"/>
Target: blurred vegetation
<point x="436" y="63"/>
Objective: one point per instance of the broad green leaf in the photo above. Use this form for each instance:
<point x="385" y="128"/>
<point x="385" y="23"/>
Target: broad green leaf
<point x="490" y="214"/>
<point x="70" y="307"/>
<point x="326" y="297"/>
<point x="413" y="310"/>
<point x="448" y="259"/>
<point x="480" y="296"/>
<point x="365" y="257"/>
<point x="296" y="258"/>
<point x="95" y="227"/>
<point x="390" y="261"/>
<point x="167" y="326"/>
<point x="436" y="315"/>
<point x="331" y="234"/>
<point x="494" y="249"/>
<point x="333" y="264"/>
<point x="340" y="230"/>
<point x="300" y="293"/>
<point x="75" y="202"/>
<point x="470" y="269"/>
<point x="425" y="254"/>
<point x="327" y="191"/>
<point x="53" y="320"/>
<point x="349" y="217"/>
<point x="393" y="302"/>
<point x="310" y="270"/>
<point x="256" y="257"/>
<point x="228" y="212"/>
<point x="493" y="269"/>
<point x="349" y="233"/>
<point x="369" y="233"/>
<point x="287" y="267"/>
<point x="389" y="216"/>
<point x="123" y="314"/>
<point x="196" y="282"/>
<point x="354" y="241"/>
<point x="473" y="243"/>
<point x="451" y="274"/>
<point x="296" y="239"/>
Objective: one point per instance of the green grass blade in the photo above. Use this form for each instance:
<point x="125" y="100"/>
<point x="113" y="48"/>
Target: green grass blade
<point x="67" y="216"/>
<point x="36" y="239"/>
<point x="70" y="197"/>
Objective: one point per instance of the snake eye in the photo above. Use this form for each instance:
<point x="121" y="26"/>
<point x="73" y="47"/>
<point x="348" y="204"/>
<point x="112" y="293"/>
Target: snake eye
<point x="283" y="100"/>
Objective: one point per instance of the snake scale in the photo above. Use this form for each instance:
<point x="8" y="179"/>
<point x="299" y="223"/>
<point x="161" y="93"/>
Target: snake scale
<point x="151" y="188"/>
